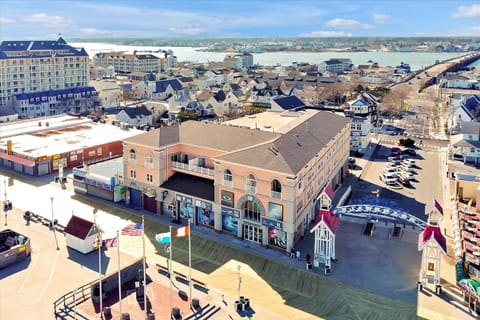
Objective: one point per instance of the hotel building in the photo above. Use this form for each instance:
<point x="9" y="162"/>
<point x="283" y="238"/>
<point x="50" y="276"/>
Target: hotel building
<point x="42" y="78"/>
<point x="257" y="177"/>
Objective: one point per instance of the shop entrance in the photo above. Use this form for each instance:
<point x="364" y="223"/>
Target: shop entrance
<point x="252" y="233"/>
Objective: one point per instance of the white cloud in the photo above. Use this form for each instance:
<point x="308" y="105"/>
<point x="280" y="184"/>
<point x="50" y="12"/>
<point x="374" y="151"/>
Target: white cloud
<point x="347" y="24"/>
<point x="467" y="12"/>
<point x="4" y="20"/>
<point x="49" y="21"/>
<point x="381" y="18"/>
<point x="94" y="32"/>
<point x="326" y="34"/>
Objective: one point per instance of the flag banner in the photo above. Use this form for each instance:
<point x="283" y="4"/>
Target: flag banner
<point x="132" y="230"/>
<point x="98" y="241"/>
<point x="167" y="247"/>
<point x="163" y="237"/>
<point x="110" y="243"/>
<point x="183" y="232"/>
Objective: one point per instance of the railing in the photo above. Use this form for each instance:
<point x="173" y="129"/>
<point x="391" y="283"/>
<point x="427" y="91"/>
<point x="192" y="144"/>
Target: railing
<point x="251" y="189"/>
<point x="192" y="168"/>
<point x="227" y="183"/>
<point x="275" y="194"/>
<point x="65" y="306"/>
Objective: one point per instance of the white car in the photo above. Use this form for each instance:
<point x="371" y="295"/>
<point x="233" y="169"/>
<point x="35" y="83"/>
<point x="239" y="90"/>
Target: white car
<point x="406" y="175"/>
<point x="409" y="162"/>
<point x="389" y="170"/>
<point x="394" y="162"/>
<point x="406" y="168"/>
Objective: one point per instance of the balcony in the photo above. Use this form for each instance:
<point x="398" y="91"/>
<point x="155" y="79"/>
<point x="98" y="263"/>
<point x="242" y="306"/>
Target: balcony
<point x="275" y="195"/>
<point x="227" y="183"/>
<point x="192" y="168"/>
<point x="251" y="189"/>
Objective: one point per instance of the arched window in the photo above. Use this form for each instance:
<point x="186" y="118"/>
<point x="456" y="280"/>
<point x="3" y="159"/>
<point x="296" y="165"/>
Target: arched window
<point x="133" y="156"/>
<point x="148" y="160"/>
<point x="276" y="189"/>
<point x="251" y="211"/>
<point x="227" y="178"/>
<point x="251" y="184"/>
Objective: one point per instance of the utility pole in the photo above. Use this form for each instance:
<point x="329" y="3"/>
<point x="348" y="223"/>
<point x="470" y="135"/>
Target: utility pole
<point x="53" y="226"/>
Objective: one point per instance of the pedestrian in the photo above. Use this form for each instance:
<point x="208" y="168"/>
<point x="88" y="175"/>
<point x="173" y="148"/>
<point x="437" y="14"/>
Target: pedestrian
<point x="292" y="253"/>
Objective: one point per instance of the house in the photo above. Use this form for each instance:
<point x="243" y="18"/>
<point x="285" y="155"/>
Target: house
<point x="110" y="94"/>
<point x="136" y="117"/>
<point x="7" y="114"/>
<point x="80" y="234"/>
<point x="287" y="103"/>
<point x="363" y="118"/>
<point x="162" y="89"/>
<point x="457" y="81"/>
<point x="466" y="145"/>
<point x="466" y="108"/>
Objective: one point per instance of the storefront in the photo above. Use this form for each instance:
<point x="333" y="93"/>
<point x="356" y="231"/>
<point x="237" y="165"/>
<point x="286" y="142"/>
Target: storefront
<point x="230" y="220"/>
<point x="205" y="214"/>
<point x="276" y="236"/>
<point x="185" y="207"/>
<point x="252" y="232"/>
<point x="149" y="200"/>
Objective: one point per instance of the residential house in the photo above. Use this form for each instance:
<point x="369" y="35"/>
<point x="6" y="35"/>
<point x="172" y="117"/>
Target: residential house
<point x="163" y="89"/>
<point x="136" y="117"/>
<point x="292" y="103"/>
<point x="457" y="81"/>
<point x="466" y="145"/>
<point x="110" y="94"/>
<point x="465" y="108"/>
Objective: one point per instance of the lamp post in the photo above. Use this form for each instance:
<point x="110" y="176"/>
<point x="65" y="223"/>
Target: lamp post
<point x="239" y="279"/>
<point x="5" y="202"/>
<point x="53" y="227"/>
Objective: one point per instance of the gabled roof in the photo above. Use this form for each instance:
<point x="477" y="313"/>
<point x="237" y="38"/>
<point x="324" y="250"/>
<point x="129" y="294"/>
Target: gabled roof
<point x="78" y="227"/>
<point x="220" y="96"/>
<point x="329" y="192"/>
<point x="434" y="205"/>
<point x="432" y="233"/>
<point x="467" y="127"/>
<point x="162" y="85"/>
<point x="139" y="111"/>
<point x="327" y="217"/>
<point x="289" y="103"/>
<point x="358" y="102"/>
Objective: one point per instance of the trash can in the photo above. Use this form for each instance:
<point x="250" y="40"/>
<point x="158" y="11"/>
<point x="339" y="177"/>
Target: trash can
<point x="238" y="305"/>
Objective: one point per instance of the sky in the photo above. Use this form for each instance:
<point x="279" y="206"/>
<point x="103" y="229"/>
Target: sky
<point x="46" y="19"/>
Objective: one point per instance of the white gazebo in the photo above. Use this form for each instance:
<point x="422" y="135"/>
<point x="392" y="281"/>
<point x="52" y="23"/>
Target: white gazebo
<point x="324" y="245"/>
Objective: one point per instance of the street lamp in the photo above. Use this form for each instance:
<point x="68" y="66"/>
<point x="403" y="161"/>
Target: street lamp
<point x="53" y="226"/>
<point x="239" y="279"/>
<point x="5" y="203"/>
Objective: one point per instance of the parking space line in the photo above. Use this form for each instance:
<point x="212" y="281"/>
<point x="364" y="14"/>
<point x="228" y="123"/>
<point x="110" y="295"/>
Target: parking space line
<point x="30" y="268"/>
<point x="52" y="271"/>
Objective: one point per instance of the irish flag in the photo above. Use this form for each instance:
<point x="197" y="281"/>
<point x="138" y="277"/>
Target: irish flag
<point x="182" y="232"/>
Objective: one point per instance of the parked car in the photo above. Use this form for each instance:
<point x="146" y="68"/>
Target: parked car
<point x="395" y="162"/>
<point x="393" y="170"/>
<point x="388" y="178"/>
<point x="406" y="168"/>
<point x="404" y="182"/>
<point x="409" y="162"/>
<point x="395" y="151"/>
<point x="406" y="175"/>
<point x="393" y="158"/>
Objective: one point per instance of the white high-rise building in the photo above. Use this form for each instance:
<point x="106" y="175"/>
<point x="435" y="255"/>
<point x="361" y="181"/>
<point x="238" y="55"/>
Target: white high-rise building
<point x="36" y="77"/>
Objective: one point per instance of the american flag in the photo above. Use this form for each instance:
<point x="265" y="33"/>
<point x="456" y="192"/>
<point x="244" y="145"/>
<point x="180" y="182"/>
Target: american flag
<point x="132" y="230"/>
<point x="110" y="243"/>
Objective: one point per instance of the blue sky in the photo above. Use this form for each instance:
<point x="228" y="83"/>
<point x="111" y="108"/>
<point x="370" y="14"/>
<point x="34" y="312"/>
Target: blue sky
<point x="45" y="19"/>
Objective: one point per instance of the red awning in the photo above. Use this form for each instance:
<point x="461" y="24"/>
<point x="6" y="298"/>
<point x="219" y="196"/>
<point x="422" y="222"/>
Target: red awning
<point x="15" y="159"/>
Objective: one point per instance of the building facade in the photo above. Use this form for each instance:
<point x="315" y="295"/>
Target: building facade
<point x="261" y="186"/>
<point x="127" y="63"/>
<point x="38" y="67"/>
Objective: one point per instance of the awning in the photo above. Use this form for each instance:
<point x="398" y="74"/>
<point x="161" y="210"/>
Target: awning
<point x="169" y="198"/>
<point x="15" y="159"/>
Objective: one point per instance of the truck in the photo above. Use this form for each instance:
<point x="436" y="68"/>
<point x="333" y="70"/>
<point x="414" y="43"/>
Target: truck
<point x="14" y="247"/>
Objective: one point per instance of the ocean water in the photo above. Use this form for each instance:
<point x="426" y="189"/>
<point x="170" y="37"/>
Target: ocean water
<point x="417" y="60"/>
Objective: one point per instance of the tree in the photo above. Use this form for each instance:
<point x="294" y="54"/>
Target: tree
<point x="184" y="116"/>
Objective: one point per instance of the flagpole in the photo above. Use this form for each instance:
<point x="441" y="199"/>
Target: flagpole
<point x="144" y="274"/>
<point x="119" y="274"/>
<point x="189" y="263"/>
<point x="171" y="268"/>
<point x="99" y="244"/>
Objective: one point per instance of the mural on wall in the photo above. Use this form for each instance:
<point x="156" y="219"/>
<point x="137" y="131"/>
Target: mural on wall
<point x="205" y="213"/>
<point x="275" y="211"/>
<point x="277" y="238"/>
<point x="185" y="207"/>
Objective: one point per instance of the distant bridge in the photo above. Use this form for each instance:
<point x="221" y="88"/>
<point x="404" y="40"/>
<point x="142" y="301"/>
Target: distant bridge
<point x="376" y="212"/>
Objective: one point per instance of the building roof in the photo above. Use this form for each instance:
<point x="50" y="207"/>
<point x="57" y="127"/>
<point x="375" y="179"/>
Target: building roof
<point x="290" y="152"/>
<point x="468" y="127"/>
<point x="190" y="185"/>
<point x="434" y="205"/>
<point x="162" y="85"/>
<point x="329" y="192"/>
<point x="60" y="93"/>
<point x="432" y="233"/>
<point x="78" y="227"/>
<point x="137" y="112"/>
<point x="327" y="217"/>
<point x="289" y="103"/>
<point x="37" y="48"/>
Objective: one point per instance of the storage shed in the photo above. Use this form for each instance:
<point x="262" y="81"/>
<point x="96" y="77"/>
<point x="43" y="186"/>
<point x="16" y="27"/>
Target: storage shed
<point x="80" y="234"/>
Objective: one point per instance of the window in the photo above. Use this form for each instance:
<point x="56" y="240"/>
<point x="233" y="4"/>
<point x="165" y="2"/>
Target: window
<point x="276" y="189"/>
<point x="148" y="160"/>
<point x="149" y="178"/>
<point x="251" y="211"/>
<point x="73" y="157"/>
<point x="99" y="151"/>
<point x="133" y="174"/>
<point x="251" y="184"/>
<point x="227" y="178"/>
<point x="133" y="156"/>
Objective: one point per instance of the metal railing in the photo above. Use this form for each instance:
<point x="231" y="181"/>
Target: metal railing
<point x="251" y="189"/>
<point x="275" y="195"/>
<point x="192" y="168"/>
<point x="65" y="306"/>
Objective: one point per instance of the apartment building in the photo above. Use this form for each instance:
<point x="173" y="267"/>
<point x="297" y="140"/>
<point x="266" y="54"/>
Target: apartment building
<point x="335" y="65"/>
<point x="128" y="62"/>
<point x="258" y="180"/>
<point x="38" y="68"/>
